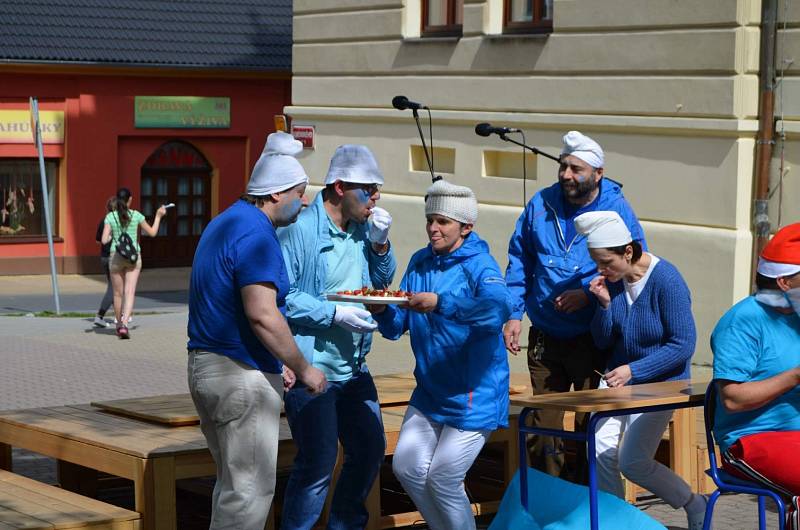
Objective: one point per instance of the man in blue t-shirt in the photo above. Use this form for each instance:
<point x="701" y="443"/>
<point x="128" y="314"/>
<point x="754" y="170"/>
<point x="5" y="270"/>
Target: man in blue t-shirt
<point x="238" y="336"/>
<point x="331" y="248"/>
<point x="548" y="274"/>
<point x="756" y="348"/>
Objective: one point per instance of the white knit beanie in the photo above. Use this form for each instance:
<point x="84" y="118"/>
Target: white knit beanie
<point x="456" y="202"/>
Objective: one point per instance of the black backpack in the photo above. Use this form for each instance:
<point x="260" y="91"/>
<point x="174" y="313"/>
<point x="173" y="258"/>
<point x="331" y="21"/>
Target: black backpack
<point x="125" y="246"/>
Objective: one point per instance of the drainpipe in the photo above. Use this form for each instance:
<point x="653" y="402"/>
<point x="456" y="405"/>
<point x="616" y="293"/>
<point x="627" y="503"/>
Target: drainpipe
<point x="766" y="127"/>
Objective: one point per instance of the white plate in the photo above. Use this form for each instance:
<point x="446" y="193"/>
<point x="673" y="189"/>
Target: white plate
<point x="359" y="299"/>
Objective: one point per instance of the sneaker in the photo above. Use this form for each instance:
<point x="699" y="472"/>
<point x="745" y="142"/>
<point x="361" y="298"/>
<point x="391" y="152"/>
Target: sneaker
<point x="100" y="322"/>
<point x="123" y="333"/>
<point x="697" y="518"/>
<point x="129" y="320"/>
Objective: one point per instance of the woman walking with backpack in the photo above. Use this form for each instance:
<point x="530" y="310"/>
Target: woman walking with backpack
<point x="121" y="230"/>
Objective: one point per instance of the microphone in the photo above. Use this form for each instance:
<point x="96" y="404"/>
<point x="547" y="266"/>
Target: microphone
<point x="403" y="103"/>
<point x="485" y="129"/>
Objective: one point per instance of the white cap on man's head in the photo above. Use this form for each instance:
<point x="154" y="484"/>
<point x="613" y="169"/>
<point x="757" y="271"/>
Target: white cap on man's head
<point x="603" y="229"/>
<point x="277" y="168"/>
<point x="354" y="163"/>
<point x="456" y="202"/>
<point x="579" y="145"/>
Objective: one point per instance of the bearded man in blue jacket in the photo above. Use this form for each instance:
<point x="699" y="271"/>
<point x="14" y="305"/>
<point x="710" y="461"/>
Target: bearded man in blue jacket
<point x="333" y="248"/>
<point x="548" y="274"/>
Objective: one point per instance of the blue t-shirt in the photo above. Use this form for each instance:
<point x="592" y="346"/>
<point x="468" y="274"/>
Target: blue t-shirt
<point x="753" y="342"/>
<point x="239" y="247"/>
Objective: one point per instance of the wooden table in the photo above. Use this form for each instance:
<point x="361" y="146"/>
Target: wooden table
<point x="178" y="409"/>
<point x="153" y="456"/>
<point x="632" y="399"/>
<point x="155" y="441"/>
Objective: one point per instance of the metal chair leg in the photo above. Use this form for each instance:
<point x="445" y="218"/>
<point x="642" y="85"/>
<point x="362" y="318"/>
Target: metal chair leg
<point x="762" y="513"/>
<point x="781" y="510"/>
<point x="712" y="500"/>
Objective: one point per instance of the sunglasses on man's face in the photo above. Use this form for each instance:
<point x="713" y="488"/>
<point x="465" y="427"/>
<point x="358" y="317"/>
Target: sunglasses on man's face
<point x="372" y="189"/>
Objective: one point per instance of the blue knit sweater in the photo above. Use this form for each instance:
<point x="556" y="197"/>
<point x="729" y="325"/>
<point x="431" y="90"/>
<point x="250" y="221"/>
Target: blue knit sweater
<point x="656" y="335"/>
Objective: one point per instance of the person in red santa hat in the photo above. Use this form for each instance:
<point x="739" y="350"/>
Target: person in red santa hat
<point x="756" y="347"/>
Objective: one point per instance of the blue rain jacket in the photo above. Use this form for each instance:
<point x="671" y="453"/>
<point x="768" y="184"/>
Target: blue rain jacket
<point x="304" y="244"/>
<point x="462" y="368"/>
<point x="542" y="265"/>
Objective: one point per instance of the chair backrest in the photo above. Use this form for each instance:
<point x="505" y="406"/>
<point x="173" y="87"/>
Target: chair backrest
<point x="709" y="410"/>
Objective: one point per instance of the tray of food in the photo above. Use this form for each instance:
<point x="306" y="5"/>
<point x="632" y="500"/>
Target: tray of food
<point x="366" y="295"/>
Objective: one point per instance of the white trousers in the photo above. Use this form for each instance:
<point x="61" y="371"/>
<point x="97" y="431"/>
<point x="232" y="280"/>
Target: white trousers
<point x="627" y="445"/>
<point x="431" y="461"/>
<point x="239" y="409"/>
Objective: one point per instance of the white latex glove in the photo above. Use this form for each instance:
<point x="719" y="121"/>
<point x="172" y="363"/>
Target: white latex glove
<point x="353" y="319"/>
<point x="379" y="223"/>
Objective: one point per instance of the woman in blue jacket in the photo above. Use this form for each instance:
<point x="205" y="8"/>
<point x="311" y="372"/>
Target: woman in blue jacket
<point x="455" y="319"/>
<point x="644" y="316"/>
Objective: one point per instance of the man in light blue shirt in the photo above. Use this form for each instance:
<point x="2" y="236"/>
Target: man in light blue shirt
<point x="756" y="348"/>
<point x="339" y="243"/>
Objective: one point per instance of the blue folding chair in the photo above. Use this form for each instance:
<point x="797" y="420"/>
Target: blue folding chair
<point x="727" y="483"/>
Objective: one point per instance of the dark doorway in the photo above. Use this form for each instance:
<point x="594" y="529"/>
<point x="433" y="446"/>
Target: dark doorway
<point x="176" y="172"/>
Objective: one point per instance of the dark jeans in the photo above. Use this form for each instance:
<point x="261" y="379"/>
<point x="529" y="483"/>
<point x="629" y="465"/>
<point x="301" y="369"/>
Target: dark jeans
<point x="558" y="365"/>
<point x="347" y="412"/>
<point x="108" y="297"/>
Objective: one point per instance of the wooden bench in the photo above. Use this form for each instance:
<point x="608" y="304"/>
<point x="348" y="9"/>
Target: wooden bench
<point x="33" y="505"/>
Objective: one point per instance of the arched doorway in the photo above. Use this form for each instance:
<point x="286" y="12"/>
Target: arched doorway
<point x="175" y="172"/>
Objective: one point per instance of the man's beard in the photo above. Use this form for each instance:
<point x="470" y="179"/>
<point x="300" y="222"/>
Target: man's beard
<point x="581" y="190"/>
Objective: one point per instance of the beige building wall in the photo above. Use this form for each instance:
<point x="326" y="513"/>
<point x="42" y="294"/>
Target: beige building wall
<point x="669" y="89"/>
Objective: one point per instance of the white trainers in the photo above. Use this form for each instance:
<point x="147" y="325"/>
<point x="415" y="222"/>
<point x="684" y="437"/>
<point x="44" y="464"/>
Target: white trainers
<point x="697" y="518"/>
<point x="100" y="322"/>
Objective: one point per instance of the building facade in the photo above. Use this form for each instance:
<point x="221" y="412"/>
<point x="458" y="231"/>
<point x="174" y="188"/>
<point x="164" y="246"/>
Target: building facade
<point x="173" y="101"/>
<point x="669" y="89"/>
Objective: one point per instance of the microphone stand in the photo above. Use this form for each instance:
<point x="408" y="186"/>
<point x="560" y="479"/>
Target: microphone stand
<point x="529" y="148"/>
<point x="428" y="156"/>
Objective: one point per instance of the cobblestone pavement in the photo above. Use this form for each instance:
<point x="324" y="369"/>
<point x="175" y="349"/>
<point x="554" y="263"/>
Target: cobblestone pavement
<point x="56" y="361"/>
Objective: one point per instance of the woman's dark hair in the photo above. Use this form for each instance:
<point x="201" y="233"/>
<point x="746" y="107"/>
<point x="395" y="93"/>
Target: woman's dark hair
<point x="123" y="194"/>
<point x="620" y="250"/>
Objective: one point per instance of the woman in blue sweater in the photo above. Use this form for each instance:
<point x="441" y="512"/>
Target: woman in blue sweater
<point x="644" y="316"/>
<point x="455" y="318"/>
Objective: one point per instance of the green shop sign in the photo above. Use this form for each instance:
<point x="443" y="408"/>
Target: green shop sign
<point x="184" y="112"/>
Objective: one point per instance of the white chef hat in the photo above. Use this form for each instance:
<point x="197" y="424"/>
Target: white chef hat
<point x="604" y="229"/>
<point x="583" y="147"/>
<point x="277" y="168"/>
<point x="354" y="163"/>
<point x="456" y="202"/>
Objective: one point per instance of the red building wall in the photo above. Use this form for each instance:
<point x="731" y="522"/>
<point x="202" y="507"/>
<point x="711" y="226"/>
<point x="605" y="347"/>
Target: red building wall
<point x="103" y="151"/>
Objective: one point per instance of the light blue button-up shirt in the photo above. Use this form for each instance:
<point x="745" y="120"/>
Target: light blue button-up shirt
<point x="338" y="350"/>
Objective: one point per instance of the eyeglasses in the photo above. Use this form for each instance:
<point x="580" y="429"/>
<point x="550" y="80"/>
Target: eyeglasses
<point x="372" y="189"/>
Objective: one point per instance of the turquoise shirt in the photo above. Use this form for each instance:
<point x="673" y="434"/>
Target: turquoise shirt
<point x="753" y="342"/>
<point x="337" y="350"/>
